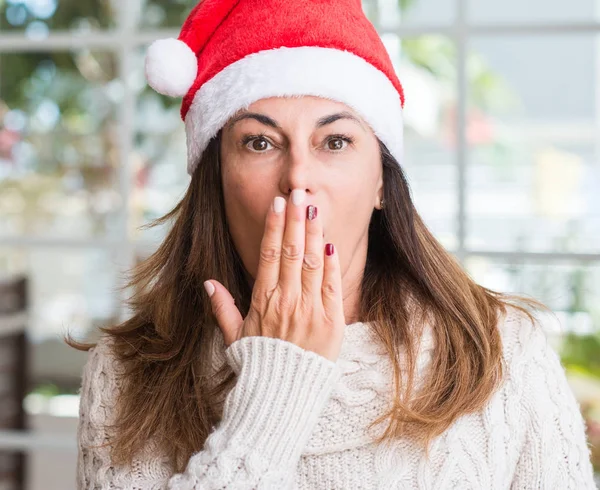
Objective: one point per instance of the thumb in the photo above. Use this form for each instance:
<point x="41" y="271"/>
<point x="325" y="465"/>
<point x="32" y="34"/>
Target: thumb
<point x="223" y="307"/>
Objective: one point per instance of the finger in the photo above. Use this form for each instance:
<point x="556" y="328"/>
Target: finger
<point x="267" y="275"/>
<point x="312" y="265"/>
<point x="332" y="285"/>
<point x="223" y="307"/>
<point x="292" y="248"/>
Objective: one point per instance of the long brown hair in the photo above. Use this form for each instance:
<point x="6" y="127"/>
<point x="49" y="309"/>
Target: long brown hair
<point x="168" y="390"/>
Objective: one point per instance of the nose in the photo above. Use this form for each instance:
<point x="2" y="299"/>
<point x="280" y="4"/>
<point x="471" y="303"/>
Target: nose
<point x="298" y="172"/>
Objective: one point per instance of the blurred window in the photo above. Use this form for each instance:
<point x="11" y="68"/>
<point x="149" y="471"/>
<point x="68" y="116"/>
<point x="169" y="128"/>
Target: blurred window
<point x="502" y="132"/>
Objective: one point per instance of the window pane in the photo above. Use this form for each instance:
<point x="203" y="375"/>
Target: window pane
<point x="389" y="14"/>
<point x="426" y="66"/>
<point x="160" y="160"/>
<point x="37" y="17"/>
<point x="58" y="144"/>
<point x="166" y="13"/>
<point x="383" y="13"/>
<point x="569" y="288"/>
<point x="532" y="10"/>
<point x="31" y="375"/>
<point x="70" y="289"/>
<point x="55" y="417"/>
<point x="533" y="132"/>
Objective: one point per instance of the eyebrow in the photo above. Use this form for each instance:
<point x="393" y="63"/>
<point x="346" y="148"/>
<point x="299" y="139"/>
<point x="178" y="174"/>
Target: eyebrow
<point x="267" y="121"/>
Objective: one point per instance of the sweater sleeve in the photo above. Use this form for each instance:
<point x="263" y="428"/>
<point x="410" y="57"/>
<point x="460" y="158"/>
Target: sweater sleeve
<point x="555" y="453"/>
<point x="267" y="420"/>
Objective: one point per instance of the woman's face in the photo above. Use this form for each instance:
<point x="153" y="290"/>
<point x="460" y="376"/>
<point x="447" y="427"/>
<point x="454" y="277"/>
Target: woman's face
<point x="281" y="144"/>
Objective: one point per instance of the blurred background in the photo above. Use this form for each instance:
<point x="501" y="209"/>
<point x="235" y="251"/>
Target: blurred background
<point x="502" y="153"/>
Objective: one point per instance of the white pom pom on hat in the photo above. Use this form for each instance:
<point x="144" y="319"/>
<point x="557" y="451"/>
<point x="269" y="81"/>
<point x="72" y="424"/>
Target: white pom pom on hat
<point x="171" y="67"/>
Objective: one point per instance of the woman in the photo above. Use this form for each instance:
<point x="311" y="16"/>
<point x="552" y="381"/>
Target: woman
<point x="300" y="327"/>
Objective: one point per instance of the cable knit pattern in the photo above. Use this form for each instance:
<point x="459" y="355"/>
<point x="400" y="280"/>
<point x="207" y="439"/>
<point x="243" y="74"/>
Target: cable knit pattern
<point x="297" y="420"/>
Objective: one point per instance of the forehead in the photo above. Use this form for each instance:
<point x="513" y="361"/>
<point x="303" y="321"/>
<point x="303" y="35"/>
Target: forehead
<point x="298" y="108"/>
<point x="304" y="102"/>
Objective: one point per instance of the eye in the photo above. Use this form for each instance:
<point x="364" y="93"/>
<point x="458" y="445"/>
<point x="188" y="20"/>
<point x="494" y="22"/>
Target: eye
<point x="257" y="144"/>
<point x="338" y="142"/>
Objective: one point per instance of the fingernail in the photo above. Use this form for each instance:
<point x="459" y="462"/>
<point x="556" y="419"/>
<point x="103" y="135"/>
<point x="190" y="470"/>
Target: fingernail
<point x="311" y="212"/>
<point x="210" y="289"/>
<point x="279" y="204"/>
<point x="298" y="196"/>
<point x="329" y="249"/>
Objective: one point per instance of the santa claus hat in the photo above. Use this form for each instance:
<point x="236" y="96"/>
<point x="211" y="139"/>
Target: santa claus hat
<point x="231" y="53"/>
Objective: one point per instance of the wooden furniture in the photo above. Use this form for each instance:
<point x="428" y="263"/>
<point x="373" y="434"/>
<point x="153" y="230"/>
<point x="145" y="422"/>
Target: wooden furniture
<point x="13" y="379"/>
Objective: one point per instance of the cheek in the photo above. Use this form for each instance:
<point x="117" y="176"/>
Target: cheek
<point x="353" y="207"/>
<point x="354" y="189"/>
<point x="245" y="208"/>
<point x="242" y="203"/>
<point x="247" y="193"/>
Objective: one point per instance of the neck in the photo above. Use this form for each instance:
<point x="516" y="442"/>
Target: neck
<point x="351" y="282"/>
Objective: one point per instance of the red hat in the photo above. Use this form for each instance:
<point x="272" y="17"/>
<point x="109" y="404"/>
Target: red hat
<point x="231" y="53"/>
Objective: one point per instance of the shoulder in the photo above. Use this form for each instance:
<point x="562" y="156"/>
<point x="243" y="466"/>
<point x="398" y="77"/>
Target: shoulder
<point x="533" y="372"/>
<point x="100" y="378"/>
<point x="101" y="358"/>
<point x="525" y="339"/>
<point x="532" y="366"/>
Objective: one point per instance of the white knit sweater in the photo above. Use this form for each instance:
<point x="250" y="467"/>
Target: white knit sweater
<point x="298" y="420"/>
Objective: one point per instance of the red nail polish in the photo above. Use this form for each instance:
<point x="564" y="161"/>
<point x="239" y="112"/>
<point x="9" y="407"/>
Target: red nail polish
<point x="329" y="249"/>
<point x="311" y="212"/>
